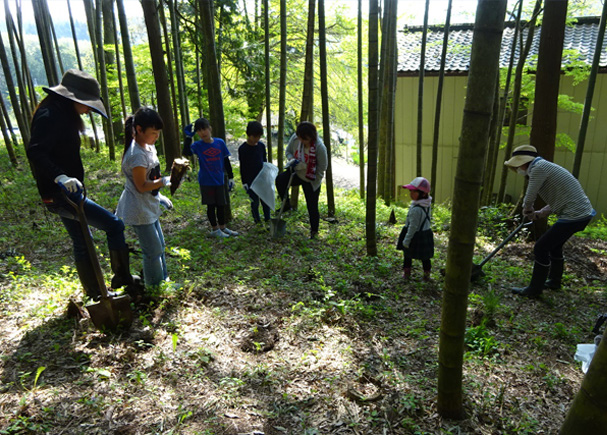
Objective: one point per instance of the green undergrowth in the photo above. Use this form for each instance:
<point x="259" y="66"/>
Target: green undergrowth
<point x="291" y="335"/>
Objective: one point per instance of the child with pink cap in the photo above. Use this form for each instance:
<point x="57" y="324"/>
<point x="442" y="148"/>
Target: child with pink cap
<point x="416" y="239"/>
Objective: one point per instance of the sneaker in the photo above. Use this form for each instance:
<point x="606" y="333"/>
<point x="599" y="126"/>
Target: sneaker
<point x="218" y="233"/>
<point x="229" y="232"/>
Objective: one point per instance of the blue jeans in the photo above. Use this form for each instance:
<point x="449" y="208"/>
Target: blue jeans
<point x="152" y="245"/>
<point x="97" y="217"/>
<point x="255" y="207"/>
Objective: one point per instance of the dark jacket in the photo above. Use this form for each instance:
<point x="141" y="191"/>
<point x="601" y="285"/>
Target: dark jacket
<point x="54" y="147"/>
<point x="251" y="161"/>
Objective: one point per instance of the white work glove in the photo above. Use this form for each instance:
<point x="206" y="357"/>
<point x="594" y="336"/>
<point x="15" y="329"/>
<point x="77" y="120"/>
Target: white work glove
<point x="231" y="184"/>
<point x="165" y="202"/>
<point x="166" y="181"/>
<point x="72" y="185"/>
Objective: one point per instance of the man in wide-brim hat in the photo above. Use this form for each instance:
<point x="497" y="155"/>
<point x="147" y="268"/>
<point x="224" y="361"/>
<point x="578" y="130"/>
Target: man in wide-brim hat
<point x="565" y="197"/>
<point x="54" y="152"/>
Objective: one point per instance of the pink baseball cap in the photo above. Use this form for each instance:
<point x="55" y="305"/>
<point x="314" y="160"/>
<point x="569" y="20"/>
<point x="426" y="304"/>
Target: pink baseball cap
<point x="418" y="183"/>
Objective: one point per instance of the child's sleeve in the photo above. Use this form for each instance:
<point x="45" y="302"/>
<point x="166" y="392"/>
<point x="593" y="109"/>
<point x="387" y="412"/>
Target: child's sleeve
<point x="227" y="167"/>
<point x="415" y="221"/>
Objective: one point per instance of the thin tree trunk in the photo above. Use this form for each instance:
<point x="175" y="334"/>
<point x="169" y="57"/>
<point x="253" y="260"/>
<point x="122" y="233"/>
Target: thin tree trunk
<point x="494" y="145"/>
<point x="31" y="91"/>
<point x="171" y="142"/>
<point x="12" y="36"/>
<point x="381" y="144"/>
<point x="168" y="52"/>
<point x="581" y="141"/>
<point x="283" y="84"/>
<point x="439" y="100"/>
<point x="14" y="98"/>
<point x="484" y="67"/>
<point x="5" y="133"/>
<point x="118" y="65"/>
<point x="324" y="92"/>
<point x="266" y="27"/>
<point x="371" y="207"/>
<point x="109" y="128"/>
<point x="214" y="86"/>
<point x="307" y="104"/>
<point x="516" y="96"/>
<point x="361" y="124"/>
<point x="78" y="58"/>
<point x="50" y="25"/>
<point x="46" y="47"/>
<point x="420" y="94"/>
<point x="129" y="64"/>
<point x="588" y="412"/>
<point x="178" y="58"/>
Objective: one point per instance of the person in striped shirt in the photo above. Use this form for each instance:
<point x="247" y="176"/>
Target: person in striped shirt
<point x="565" y="197"/>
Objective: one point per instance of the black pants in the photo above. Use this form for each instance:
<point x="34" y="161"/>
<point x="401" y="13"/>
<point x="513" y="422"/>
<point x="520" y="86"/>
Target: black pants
<point x="550" y="245"/>
<point x="426" y="264"/>
<point x="216" y="213"/>
<point x="282" y="180"/>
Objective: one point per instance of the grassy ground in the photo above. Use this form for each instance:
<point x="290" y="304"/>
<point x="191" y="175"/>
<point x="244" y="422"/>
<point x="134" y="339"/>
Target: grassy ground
<point x="287" y="336"/>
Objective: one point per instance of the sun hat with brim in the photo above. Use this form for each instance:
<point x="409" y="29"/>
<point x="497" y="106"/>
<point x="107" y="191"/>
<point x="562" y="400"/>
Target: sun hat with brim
<point x="521" y="155"/>
<point x="80" y="87"/>
<point x="418" y="183"/>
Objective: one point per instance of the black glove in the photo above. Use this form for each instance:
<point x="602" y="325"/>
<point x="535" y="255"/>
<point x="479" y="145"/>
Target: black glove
<point x="187" y="151"/>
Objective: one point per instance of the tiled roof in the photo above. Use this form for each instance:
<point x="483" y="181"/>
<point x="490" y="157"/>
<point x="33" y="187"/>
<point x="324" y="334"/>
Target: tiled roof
<point x="581" y="36"/>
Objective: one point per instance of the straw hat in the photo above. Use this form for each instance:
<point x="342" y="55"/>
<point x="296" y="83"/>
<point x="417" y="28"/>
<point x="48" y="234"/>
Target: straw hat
<point x="521" y="155"/>
<point x="418" y="183"/>
<point x="80" y="87"/>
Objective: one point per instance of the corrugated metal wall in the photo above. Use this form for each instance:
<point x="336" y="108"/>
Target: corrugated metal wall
<point x="593" y="174"/>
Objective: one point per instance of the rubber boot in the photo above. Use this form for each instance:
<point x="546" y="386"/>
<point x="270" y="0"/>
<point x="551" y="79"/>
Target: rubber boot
<point x="427" y="277"/>
<point x="555" y="275"/>
<point x="119" y="260"/>
<point x="535" y="287"/>
<point x="86" y="273"/>
<point x="407" y="273"/>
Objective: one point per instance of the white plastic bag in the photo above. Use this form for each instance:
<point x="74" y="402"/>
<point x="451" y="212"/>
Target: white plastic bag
<point x="584" y="353"/>
<point x="263" y="184"/>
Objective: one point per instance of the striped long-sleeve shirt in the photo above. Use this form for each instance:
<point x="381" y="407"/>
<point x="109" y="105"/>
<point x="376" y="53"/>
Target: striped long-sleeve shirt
<point x="559" y="189"/>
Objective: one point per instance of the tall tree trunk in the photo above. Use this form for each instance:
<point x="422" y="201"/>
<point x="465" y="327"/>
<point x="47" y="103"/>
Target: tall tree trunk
<point x="6" y="135"/>
<point x="371" y="207"/>
<point x="439" y="100"/>
<point x="361" y="124"/>
<point x="21" y="122"/>
<point x="46" y="47"/>
<point x="588" y="412"/>
<point x="78" y="58"/>
<point x="381" y="144"/>
<point x="118" y="66"/>
<point x="491" y="168"/>
<point x="420" y="93"/>
<point x="19" y="72"/>
<point x="169" y="63"/>
<point x="484" y="67"/>
<point x="581" y="141"/>
<point x="129" y="64"/>
<point x="386" y="123"/>
<point x="307" y="104"/>
<point x="179" y="71"/>
<point x="266" y="38"/>
<point x="548" y="76"/>
<point x="171" y="141"/>
<point x="214" y="85"/>
<point x="89" y="8"/>
<point x="30" y="89"/>
<point x="516" y="96"/>
<point x="109" y="127"/>
<point x="324" y="92"/>
<point x="282" y="85"/>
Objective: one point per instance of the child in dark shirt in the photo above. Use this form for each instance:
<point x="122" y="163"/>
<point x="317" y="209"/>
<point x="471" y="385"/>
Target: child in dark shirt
<point x="252" y="155"/>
